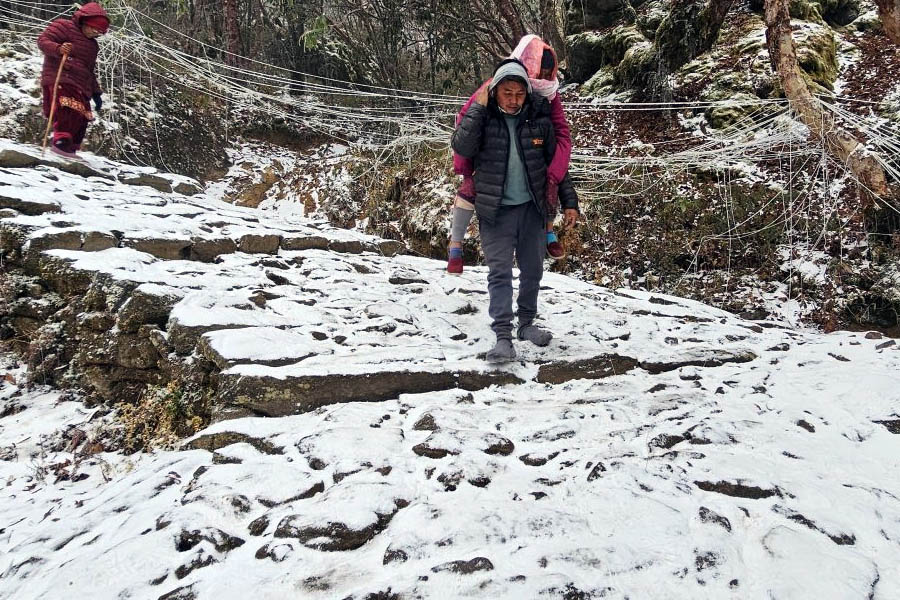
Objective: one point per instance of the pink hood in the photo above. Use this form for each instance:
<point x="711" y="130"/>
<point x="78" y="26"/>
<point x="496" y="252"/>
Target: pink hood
<point x="529" y="51"/>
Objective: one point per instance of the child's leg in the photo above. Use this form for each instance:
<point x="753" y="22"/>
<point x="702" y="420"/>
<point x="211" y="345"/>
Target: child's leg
<point x="551" y="235"/>
<point x="462" y="215"/>
<point x="554" y="248"/>
<point x="463" y="210"/>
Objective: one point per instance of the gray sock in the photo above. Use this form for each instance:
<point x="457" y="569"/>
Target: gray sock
<point x="503" y="351"/>
<point x="460" y="223"/>
<point x="534" y="334"/>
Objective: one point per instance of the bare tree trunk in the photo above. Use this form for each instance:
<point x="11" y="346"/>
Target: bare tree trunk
<point x="840" y="143"/>
<point x="889" y="11"/>
<point x="509" y="13"/>
<point x="550" y="27"/>
<point x="232" y="32"/>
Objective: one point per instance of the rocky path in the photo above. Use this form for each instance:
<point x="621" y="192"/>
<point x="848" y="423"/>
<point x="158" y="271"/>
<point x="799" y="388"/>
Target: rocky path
<point x="292" y="317"/>
<point x="659" y="448"/>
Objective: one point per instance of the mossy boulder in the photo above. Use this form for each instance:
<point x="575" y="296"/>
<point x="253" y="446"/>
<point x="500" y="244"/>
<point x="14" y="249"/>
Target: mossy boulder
<point x="603" y="83"/>
<point x="804" y="10"/>
<point x="638" y="68"/>
<point x="650" y="17"/>
<point x="723" y="115"/>
<point x="817" y="52"/>
<point x="588" y="52"/>
<point x="585" y="55"/>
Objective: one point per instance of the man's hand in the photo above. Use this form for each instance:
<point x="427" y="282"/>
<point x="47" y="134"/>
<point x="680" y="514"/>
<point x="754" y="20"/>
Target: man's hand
<point x="65" y="49"/>
<point x="570" y="217"/>
<point x="481" y="97"/>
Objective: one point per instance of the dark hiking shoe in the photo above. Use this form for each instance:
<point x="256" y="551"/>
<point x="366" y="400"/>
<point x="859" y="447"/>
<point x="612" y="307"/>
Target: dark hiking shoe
<point x="503" y="351"/>
<point x="534" y="334"/>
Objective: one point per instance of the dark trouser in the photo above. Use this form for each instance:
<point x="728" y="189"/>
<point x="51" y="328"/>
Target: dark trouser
<point x="68" y="124"/>
<point x="517" y="231"/>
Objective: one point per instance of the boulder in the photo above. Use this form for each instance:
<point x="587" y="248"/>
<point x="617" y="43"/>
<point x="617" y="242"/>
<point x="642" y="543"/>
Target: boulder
<point x="154" y="181"/>
<point x="337" y="532"/>
<point x="95" y="241"/>
<point x="149" y="304"/>
<point x="187" y="189"/>
<point x="206" y="249"/>
<point x="296" y="241"/>
<point x="28" y="207"/>
<point x="253" y="243"/>
<point x="162" y="248"/>
<point x="590" y="51"/>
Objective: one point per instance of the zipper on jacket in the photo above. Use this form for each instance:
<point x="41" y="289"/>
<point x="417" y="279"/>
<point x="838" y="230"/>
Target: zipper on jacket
<point x="519" y="127"/>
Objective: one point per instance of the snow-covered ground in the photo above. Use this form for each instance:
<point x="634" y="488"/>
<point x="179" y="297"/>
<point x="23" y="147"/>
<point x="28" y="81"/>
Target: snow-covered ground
<point x="658" y="448"/>
<point x="773" y="479"/>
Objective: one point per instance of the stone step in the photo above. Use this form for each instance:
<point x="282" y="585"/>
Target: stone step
<point x="49" y="203"/>
<point x="245" y="393"/>
<point x="272" y="317"/>
<point x="277" y="335"/>
<point x="26" y="242"/>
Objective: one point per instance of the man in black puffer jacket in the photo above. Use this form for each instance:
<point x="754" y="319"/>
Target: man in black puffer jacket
<point x="508" y="134"/>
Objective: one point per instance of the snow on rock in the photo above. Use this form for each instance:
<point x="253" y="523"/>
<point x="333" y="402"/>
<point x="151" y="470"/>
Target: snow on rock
<point x="657" y="448"/>
<point x="735" y="481"/>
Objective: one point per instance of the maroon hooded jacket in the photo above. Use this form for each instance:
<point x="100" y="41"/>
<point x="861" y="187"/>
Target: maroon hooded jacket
<point x="79" y="69"/>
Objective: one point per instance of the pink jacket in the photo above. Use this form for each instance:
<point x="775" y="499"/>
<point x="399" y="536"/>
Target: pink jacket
<point x="558" y="166"/>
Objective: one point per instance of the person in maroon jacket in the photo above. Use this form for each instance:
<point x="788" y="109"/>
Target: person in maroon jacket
<point x="75" y="38"/>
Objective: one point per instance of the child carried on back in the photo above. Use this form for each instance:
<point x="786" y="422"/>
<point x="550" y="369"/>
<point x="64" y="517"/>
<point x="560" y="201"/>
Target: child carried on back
<point x="540" y="61"/>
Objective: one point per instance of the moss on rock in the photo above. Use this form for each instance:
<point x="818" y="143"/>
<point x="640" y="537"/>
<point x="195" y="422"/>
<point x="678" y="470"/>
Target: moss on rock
<point x="588" y="52"/>
<point x="817" y="53"/>
<point x="650" y="17"/>
<point x="603" y="83"/>
<point x="639" y="67"/>
<point x="724" y="115"/>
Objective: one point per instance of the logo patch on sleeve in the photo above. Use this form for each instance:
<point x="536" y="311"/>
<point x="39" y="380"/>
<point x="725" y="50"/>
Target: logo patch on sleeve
<point x="537" y="141"/>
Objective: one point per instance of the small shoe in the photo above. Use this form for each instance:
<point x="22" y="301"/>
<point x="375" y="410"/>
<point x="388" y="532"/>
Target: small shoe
<point x="534" y="334"/>
<point x="64" y="153"/>
<point x="455" y="265"/>
<point x="63" y="147"/>
<point x="455" y="261"/>
<point x="503" y="351"/>
<point x="556" y="250"/>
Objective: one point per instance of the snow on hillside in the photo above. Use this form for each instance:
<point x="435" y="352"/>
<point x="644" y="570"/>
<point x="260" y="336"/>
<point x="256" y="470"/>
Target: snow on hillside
<point x="658" y="448"/>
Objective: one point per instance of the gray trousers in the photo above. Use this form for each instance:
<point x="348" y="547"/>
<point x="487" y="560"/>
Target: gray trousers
<point x="518" y="231"/>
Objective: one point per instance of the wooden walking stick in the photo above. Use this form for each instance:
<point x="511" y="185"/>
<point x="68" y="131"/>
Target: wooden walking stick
<point x="53" y="102"/>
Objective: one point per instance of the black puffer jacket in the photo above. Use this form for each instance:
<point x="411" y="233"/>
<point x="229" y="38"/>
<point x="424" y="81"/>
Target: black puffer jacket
<point x="482" y="135"/>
